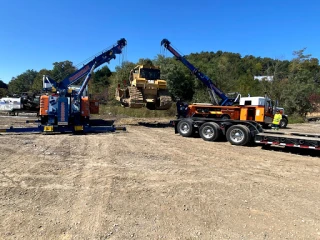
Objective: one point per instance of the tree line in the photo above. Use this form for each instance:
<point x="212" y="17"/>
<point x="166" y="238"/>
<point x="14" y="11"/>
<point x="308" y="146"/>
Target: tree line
<point x="295" y="83"/>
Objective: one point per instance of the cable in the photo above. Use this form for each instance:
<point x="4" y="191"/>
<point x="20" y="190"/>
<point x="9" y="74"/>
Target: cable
<point x="62" y="76"/>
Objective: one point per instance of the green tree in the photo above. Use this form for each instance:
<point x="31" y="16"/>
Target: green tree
<point x="123" y="71"/>
<point x="100" y="80"/>
<point x="246" y="84"/>
<point x="300" y="85"/>
<point x="23" y="82"/>
<point x="180" y="83"/>
<point x="145" y="61"/>
<point x="37" y="84"/>
<point x="3" y="92"/>
<point x="3" y="85"/>
<point x="61" y="70"/>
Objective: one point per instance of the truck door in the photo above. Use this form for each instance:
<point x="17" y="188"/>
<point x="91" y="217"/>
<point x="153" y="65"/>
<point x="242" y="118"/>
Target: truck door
<point x="268" y="111"/>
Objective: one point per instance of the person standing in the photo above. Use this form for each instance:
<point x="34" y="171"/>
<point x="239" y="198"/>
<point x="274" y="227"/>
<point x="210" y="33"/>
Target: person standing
<point x="276" y="120"/>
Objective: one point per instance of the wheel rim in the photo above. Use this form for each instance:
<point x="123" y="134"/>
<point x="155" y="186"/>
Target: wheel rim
<point x="208" y="132"/>
<point x="236" y="135"/>
<point x="184" y="128"/>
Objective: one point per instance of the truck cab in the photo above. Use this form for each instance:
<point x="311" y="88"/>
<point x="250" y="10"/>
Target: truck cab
<point x="260" y="109"/>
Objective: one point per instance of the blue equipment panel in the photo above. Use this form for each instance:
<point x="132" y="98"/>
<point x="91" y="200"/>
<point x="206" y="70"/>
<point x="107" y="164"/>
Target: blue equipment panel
<point x="63" y="111"/>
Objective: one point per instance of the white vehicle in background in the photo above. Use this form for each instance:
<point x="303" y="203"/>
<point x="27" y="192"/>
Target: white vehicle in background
<point x="9" y="104"/>
<point x="20" y="103"/>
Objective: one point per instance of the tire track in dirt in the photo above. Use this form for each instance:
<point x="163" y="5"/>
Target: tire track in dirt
<point x="94" y="179"/>
<point x="12" y="157"/>
<point x="35" y="180"/>
<point x="248" y="168"/>
<point x="153" y="183"/>
<point x="170" y="146"/>
<point x="151" y="175"/>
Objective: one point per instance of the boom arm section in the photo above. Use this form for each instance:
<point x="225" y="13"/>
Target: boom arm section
<point x="96" y="62"/>
<point x="212" y="88"/>
<point x="86" y="69"/>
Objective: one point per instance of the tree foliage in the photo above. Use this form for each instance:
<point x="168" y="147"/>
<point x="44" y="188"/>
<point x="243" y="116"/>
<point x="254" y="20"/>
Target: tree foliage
<point x="122" y="72"/>
<point x="295" y="83"/>
<point x="37" y="82"/>
<point x="3" y="85"/>
<point x="62" y="69"/>
<point x="23" y="82"/>
<point x="100" y="80"/>
<point x="301" y="85"/>
<point x="3" y="92"/>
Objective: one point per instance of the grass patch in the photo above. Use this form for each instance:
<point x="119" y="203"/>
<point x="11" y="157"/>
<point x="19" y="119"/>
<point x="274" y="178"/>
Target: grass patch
<point x="296" y="118"/>
<point x="116" y="110"/>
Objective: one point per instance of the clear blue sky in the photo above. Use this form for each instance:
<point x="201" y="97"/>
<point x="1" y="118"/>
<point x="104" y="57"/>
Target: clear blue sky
<point x="36" y="33"/>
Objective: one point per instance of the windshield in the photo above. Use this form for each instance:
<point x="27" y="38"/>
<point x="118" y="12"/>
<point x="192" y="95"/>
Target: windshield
<point x="150" y="74"/>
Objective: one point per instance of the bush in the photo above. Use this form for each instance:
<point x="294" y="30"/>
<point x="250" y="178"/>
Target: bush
<point x="117" y="110"/>
<point x="296" y="118"/>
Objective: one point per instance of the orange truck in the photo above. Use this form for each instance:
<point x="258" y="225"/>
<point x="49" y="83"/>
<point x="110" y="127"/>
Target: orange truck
<point x="259" y="109"/>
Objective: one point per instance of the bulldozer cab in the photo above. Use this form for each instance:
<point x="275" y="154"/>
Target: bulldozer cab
<point x="150" y="73"/>
<point x="144" y="72"/>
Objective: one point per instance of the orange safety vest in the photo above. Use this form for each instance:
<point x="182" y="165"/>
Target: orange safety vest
<point x="277" y="118"/>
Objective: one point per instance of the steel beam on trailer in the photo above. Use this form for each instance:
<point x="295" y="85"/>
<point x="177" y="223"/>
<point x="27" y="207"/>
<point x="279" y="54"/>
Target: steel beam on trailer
<point x="21" y="129"/>
<point x="63" y="129"/>
<point x="99" y="129"/>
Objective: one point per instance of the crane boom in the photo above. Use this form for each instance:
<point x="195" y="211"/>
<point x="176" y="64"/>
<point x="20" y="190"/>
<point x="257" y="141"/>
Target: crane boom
<point x="96" y="62"/>
<point x="213" y="90"/>
<point x="86" y="69"/>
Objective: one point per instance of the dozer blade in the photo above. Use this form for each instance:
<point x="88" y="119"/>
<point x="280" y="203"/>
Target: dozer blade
<point x="165" y="101"/>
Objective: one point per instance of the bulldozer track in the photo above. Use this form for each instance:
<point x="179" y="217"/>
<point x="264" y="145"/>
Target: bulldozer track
<point x="136" y="97"/>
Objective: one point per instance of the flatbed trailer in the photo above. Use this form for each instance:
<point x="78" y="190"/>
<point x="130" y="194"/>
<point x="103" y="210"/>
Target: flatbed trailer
<point x="243" y="133"/>
<point x="93" y="126"/>
<point x="292" y="139"/>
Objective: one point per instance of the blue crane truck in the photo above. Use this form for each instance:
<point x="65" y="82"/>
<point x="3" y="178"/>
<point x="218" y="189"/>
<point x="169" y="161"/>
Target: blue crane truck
<point x="64" y="108"/>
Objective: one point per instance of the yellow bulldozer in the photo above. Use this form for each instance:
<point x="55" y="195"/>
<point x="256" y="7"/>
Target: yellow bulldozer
<point x="145" y="89"/>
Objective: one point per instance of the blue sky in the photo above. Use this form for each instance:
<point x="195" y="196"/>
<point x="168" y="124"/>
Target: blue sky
<point x="35" y="33"/>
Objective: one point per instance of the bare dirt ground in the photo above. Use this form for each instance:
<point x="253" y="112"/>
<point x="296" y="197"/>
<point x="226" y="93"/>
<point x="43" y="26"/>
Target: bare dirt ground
<point x="149" y="183"/>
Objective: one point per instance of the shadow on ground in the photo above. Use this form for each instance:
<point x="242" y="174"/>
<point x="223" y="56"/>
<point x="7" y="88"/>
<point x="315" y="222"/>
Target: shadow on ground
<point x="293" y="150"/>
<point x="155" y="125"/>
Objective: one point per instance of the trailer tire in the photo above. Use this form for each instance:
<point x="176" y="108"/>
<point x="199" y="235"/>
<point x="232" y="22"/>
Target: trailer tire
<point x="238" y="135"/>
<point x="210" y="131"/>
<point x="185" y="127"/>
<point x="283" y="123"/>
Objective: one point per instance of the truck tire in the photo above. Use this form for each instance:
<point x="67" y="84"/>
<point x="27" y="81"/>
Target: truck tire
<point x="210" y="131"/>
<point x="238" y="135"/>
<point x="185" y="127"/>
<point x="283" y="123"/>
